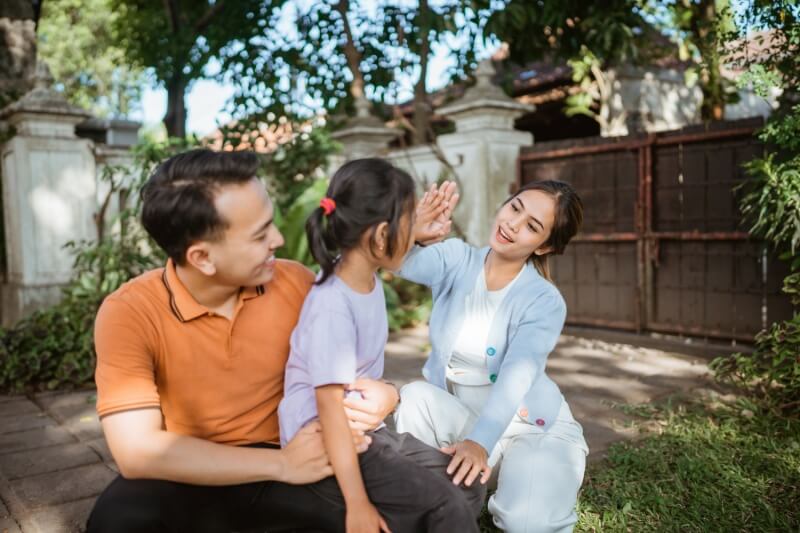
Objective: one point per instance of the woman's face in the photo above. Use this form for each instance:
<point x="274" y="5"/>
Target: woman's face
<point x="523" y="225"/>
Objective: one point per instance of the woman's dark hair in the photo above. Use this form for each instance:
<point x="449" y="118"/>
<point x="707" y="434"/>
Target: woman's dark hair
<point x="178" y="199"/>
<point x="367" y="192"/>
<point x="567" y="223"/>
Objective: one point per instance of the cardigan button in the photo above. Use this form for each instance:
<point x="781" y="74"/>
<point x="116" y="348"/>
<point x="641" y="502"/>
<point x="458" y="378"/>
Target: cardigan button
<point x="490" y="351"/>
<point x="492" y="377"/>
<point x="539" y="422"/>
<point x="523" y="412"/>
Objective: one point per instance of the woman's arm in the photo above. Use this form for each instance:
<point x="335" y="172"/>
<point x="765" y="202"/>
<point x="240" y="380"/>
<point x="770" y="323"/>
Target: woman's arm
<point x="430" y="265"/>
<point x="361" y="514"/>
<point x="434" y="212"/>
<point x="525" y="358"/>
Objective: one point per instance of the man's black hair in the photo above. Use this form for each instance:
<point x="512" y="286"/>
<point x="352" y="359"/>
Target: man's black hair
<point x="178" y="199"/>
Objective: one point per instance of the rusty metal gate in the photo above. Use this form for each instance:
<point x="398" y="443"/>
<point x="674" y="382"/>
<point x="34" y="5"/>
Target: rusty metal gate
<point x="663" y="248"/>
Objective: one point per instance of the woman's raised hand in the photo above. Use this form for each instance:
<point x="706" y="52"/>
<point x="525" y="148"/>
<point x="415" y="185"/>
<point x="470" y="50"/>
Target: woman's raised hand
<point x="434" y="212"/>
<point x="469" y="460"/>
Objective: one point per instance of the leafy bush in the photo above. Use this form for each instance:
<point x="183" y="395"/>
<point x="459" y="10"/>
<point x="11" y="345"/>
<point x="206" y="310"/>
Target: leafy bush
<point x="407" y="303"/>
<point x="772" y="371"/>
<point x="771" y="205"/>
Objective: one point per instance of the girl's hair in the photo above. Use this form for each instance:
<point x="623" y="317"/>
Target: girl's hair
<point x="366" y="192"/>
<point x="568" y="219"/>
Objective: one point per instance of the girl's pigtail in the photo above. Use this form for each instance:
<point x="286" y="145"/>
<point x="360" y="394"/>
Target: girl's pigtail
<point x="319" y="241"/>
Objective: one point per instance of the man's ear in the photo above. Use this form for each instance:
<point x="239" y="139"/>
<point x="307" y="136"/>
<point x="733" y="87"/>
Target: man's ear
<point x="198" y="256"/>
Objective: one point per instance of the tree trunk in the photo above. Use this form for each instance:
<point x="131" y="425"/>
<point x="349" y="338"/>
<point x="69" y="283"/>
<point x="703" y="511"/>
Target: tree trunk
<point x="17" y="49"/>
<point x="707" y="29"/>
<point x="351" y="53"/>
<point x="422" y="109"/>
<point x="175" y="118"/>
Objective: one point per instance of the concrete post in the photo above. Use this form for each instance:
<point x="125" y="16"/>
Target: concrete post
<point x="483" y="151"/>
<point x="49" y="196"/>
<point x="363" y="136"/>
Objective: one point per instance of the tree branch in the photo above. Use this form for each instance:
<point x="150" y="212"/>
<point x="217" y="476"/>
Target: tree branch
<point x="172" y="14"/>
<point x="209" y="15"/>
<point x="351" y="53"/>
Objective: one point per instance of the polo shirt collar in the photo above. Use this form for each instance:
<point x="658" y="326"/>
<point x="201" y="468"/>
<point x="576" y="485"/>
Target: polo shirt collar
<point x="183" y="304"/>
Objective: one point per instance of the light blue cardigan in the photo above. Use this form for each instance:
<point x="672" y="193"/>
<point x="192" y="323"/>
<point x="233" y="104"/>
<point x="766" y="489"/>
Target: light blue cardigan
<point x="524" y="331"/>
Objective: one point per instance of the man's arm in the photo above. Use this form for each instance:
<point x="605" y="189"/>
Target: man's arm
<point x="143" y="449"/>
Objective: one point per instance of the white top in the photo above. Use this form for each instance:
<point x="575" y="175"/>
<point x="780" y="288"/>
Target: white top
<point x="467" y="364"/>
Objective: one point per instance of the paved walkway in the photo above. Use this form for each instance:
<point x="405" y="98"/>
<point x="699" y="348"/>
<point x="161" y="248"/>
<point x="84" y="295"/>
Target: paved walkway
<point x="54" y="461"/>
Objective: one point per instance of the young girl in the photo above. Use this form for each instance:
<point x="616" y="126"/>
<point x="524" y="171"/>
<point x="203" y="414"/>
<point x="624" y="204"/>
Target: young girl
<point x="487" y="400"/>
<point x="364" y="223"/>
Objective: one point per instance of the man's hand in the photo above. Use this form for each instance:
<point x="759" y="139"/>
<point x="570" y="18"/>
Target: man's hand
<point x="434" y="211"/>
<point x="378" y="400"/>
<point x="469" y="460"/>
<point x="304" y="457"/>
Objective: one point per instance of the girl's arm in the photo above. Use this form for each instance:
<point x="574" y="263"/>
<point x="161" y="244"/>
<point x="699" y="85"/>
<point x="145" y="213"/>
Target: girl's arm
<point x="361" y="514"/>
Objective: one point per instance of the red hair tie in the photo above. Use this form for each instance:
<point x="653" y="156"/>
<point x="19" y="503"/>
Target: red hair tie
<point x="328" y="205"/>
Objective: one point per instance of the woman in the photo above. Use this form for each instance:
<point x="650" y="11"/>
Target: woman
<point x="487" y="400"/>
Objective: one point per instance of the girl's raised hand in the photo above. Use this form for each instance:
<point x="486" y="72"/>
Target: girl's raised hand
<point x="469" y="460"/>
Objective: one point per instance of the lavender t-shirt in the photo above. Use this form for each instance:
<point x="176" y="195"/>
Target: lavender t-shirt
<point x="340" y="336"/>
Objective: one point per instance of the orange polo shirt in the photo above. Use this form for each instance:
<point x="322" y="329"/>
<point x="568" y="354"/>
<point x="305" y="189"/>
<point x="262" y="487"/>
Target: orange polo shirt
<point x="212" y="378"/>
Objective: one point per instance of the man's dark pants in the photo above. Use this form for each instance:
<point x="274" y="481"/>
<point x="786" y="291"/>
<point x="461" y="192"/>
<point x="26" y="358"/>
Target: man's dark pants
<point x="405" y="479"/>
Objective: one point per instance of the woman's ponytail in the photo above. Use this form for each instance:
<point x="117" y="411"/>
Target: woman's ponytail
<point x="542" y="265"/>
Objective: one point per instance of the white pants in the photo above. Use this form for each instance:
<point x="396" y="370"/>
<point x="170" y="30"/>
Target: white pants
<point x="538" y="473"/>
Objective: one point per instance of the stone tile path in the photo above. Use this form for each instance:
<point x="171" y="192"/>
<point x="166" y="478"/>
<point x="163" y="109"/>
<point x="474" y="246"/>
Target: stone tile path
<point x="54" y="460"/>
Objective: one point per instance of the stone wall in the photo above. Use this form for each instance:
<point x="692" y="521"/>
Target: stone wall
<point x="50" y="196"/>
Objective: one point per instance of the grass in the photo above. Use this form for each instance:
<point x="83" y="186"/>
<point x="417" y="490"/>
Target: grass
<point x="716" y="467"/>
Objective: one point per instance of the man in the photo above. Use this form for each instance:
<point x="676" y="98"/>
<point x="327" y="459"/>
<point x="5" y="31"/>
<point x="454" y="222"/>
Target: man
<point x="190" y="366"/>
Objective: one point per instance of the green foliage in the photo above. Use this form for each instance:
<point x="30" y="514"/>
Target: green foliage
<point x="771" y="206"/>
<point x="771" y="203"/>
<point x="772" y="371"/>
<point x="407" y="304"/>
<point x="774" y="27"/>
<point x="783" y="131"/>
<point x="718" y="467"/>
<point x="613" y="31"/>
<point x="50" y="349"/>
<point x="293" y="223"/>
<point x="76" y="40"/>
<point x="702" y="29"/>
<point x="179" y="38"/>
<point x="297" y="164"/>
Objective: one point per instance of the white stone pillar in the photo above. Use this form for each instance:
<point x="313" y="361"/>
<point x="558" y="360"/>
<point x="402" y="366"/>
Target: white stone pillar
<point x="483" y="151"/>
<point x="363" y="136"/>
<point x="49" y="197"/>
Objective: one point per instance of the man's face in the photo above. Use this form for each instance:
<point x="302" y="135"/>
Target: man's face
<point x="245" y="253"/>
